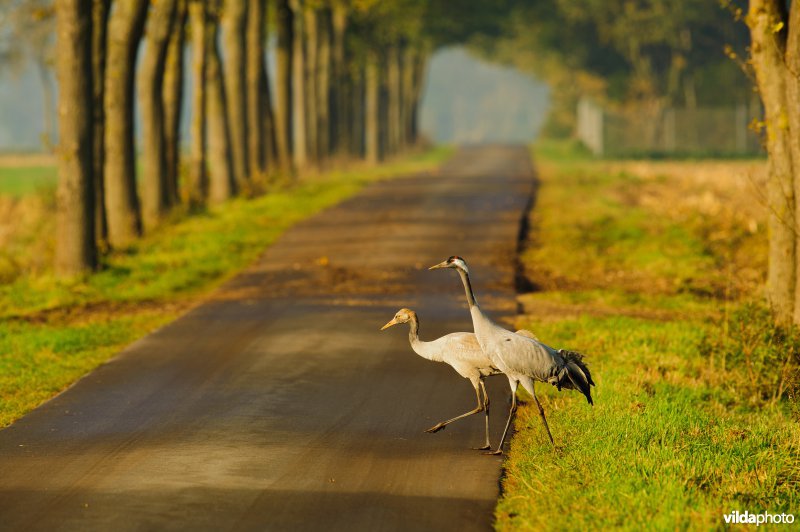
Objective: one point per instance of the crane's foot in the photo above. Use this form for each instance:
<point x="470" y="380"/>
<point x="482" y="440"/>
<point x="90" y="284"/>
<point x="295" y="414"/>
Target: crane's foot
<point x="484" y="448"/>
<point x="436" y="428"/>
<point x="494" y="453"/>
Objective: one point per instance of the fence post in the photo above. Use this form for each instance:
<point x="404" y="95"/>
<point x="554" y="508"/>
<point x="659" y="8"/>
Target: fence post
<point x="590" y="126"/>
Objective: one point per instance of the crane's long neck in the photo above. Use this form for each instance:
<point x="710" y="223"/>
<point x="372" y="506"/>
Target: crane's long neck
<point x="467" y="288"/>
<point x="481" y="323"/>
<point x="423" y="349"/>
<point x="413" y="330"/>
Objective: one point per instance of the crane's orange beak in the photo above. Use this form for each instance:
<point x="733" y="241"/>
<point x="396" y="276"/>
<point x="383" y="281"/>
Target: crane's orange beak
<point x="393" y="322"/>
<point x="440" y="265"/>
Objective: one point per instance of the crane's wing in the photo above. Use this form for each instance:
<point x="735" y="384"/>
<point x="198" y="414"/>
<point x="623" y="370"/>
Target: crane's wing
<point x="463" y="352"/>
<point x="522" y="354"/>
<point x="527" y="333"/>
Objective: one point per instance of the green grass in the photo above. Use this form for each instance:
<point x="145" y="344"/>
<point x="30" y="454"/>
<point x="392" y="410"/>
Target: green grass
<point x="674" y="441"/>
<point x="20" y="181"/>
<point x="54" y="331"/>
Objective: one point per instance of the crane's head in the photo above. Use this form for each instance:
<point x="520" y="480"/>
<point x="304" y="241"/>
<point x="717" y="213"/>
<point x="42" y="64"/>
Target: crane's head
<point x="453" y="262"/>
<point x="403" y="315"/>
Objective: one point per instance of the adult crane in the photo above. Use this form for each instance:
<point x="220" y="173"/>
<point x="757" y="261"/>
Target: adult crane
<point x="462" y="352"/>
<point x="522" y="358"/>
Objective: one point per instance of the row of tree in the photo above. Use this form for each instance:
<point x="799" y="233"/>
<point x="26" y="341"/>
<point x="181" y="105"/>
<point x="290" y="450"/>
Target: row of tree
<point x="348" y="78"/>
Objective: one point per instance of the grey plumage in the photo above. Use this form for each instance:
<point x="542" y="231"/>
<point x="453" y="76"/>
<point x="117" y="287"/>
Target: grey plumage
<point x="462" y="352"/>
<point x="521" y="356"/>
<point x="579" y="377"/>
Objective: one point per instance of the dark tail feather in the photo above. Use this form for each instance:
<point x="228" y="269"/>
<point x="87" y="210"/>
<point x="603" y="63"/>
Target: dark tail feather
<point x="578" y="374"/>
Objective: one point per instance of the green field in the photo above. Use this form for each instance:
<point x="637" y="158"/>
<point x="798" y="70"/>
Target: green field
<point x="695" y="414"/>
<point x="18" y="181"/>
<point x="52" y="332"/>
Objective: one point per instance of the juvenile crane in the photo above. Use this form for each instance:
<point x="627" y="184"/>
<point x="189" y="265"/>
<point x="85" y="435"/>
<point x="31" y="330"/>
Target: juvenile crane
<point x="522" y="358"/>
<point x="462" y="352"/>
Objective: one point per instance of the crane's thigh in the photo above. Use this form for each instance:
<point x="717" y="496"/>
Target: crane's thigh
<point x="527" y="383"/>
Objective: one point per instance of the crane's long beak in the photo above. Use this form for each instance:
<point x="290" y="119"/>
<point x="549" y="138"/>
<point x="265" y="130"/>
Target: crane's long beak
<point x="440" y="265"/>
<point x="393" y="322"/>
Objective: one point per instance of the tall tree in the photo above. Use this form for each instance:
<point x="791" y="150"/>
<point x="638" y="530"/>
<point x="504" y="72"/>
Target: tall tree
<point x="283" y="84"/>
<point x="234" y="18"/>
<point x="356" y="110"/>
<point x="222" y="184"/>
<point x="339" y="115"/>
<point x="420" y="64"/>
<point x="155" y="188"/>
<point x="126" y="26"/>
<point x="324" y="89"/>
<point x="268" y="116"/>
<point x="299" y="125"/>
<point x="792" y="64"/>
<point x="311" y="46"/>
<point x="173" y="101"/>
<point x="409" y="89"/>
<point x="75" y="248"/>
<point x="256" y="144"/>
<point x="100" y="11"/>
<point x="198" y="177"/>
<point x="766" y="19"/>
<point x="372" y="95"/>
<point x="394" y="120"/>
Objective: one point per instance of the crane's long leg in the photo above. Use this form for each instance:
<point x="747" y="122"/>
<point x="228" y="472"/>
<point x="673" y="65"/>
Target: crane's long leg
<point x="486" y="409"/>
<point x="443" y="424"/>
<point x="541" y="413"/>
<point x="512" y="410"/>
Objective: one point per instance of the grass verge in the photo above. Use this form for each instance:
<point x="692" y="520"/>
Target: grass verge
<point x="53" y="331"/>
<point x="645" y="272"/>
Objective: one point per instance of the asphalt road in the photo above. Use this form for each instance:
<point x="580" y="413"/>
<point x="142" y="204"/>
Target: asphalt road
<point x="278" y="404"/>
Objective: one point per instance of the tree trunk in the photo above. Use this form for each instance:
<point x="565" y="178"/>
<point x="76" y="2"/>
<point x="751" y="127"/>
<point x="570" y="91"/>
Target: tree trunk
<point x="383" y="110"/>
<point x="792" y="62"/>
<point x="283" y="86"/>
<point x="122" y="204"/>
<point x="372" y="108"/>
<point x="198" y="187"/>
<point x="300" y="140"/>
<point x="393" y="100"/>
<point x="420" y="63"/>
<point x="173" y="100"/>
<point x="324" y="88"/>
<point x="234" y="25"/>
<point x="268" y="116"/>
<point x="75" y="245"/>
<point x="767" y="51"/>
<point x="222" y="183"/>
<point x="340" y="133"/>
<point x="409" y="59"/>
<point x="312" y="78"/>
<point x="355" y="112"/>
<point x="256" y="23"/>
<point x="100" y="11"/>
<point x="151" y="99"/>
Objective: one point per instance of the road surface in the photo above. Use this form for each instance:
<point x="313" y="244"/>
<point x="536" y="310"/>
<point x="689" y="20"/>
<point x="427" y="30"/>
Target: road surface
<point x="278" y="404"/>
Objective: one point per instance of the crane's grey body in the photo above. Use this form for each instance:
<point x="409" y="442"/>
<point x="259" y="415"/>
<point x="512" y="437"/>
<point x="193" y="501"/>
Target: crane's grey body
<point x="522" y="357"/>
<point x="462" y="352"/>
<point x="514" y="354"/>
